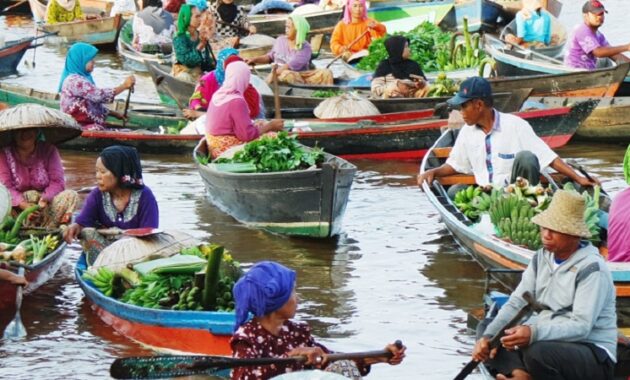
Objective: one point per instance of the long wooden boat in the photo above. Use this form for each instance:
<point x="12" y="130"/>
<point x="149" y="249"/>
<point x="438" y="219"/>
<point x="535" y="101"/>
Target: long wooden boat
<point x="512" y="61"/>
<point x="11" y="55"/>
<point x="101" y="32"/>
<point x="308" y="203"/>
<point x="173" y="90"/>
<point x="37" y="275"/>
<point x="559" y="38"/>
<point x="489" y="250"/>
<point x="273" y="25"/>
<point x="90" y="7"/>
<point x="141" y="115"/>
<point x="10" y="7"/>
<point x="135" y="59"/>
<point x="145" y="142"/>
<point x="196" y="332"/>
<point x="407" y="16"/>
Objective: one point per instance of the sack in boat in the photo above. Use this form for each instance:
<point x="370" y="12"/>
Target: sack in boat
<point x="346" y="105"/>
<point x="131" y="250"/>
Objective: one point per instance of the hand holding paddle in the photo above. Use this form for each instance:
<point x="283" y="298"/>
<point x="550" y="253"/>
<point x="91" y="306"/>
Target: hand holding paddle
<point x="347" y="48"/>
<point x="124" y="115"/>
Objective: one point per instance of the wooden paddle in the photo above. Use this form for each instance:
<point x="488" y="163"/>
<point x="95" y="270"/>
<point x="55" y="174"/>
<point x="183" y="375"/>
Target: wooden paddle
<point x="347" y="47"/>
<point x="124" y="120"/>
<point x="532" y="305"/>
<point x="10" y="7"/>
<point x="276" y="92"/>
<point x="155" y="367"/>
<point x="15" y="329"/>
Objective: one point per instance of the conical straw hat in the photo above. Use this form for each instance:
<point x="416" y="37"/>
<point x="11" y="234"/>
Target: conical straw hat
<point x="565" y="214"/>
<point x="56" y="126"/>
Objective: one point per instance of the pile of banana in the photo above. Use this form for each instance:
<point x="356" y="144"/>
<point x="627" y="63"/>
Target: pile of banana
<point x="102" y="278"/>
<point x="474" y="200"/>
<point x="512" y="216"/>
<point x="537" y="196"/>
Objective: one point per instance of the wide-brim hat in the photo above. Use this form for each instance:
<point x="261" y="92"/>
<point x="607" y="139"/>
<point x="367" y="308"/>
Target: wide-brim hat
<point x="565" y="214"/>
<point x="55" y="125"/>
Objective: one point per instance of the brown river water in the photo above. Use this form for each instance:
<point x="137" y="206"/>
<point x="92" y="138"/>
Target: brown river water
<point x="394" y="273"/>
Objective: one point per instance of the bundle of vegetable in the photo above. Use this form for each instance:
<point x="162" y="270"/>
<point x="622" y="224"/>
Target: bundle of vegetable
<point x="443" y="86"/>
<point x="276" y="154"/>
<point x="9" y="228"/>
<point x="512" y="217"/>
<point x="102" y="278"/>
<point x="222" y="273"/>
<point x="326" y="93"/>
<point x="591" y="214"/>
<point x="474" y="200"/>
<point x="156" y="291"/>
<point x="29" y="251"/>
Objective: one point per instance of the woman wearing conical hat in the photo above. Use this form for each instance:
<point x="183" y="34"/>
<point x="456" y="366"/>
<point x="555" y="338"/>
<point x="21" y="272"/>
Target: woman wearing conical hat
<point x="619" y="220"/>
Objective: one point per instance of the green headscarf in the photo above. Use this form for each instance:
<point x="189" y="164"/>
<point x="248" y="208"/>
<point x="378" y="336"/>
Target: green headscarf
<point x="626" y="165"/>
<point x="302" y="28"/>
<point x="183" y="20"/>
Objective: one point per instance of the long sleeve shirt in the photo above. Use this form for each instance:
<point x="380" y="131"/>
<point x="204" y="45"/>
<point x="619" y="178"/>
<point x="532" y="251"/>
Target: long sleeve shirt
<point x="43" y="171"/>
<point x="298" y="60"/>
<point x="187" y="54"/>
<point x="99" y="211"/>
<point x="231" y="118"/>
<point x="55" y="13"/>
<point x="344" y="34"/>
<point x="85" y="102"/>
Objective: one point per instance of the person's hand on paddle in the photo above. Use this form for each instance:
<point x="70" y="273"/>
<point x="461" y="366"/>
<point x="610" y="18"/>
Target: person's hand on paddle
<point x="315" y="356"/>
<point x="371" y="24"/>
<point x="72" y="232"/>
<point x="129" y="82"/>
<point x="516" y="337"/>
<point x="482" y="351"/>
<point x="398" y="354"/>
<point x="271" y="125"/>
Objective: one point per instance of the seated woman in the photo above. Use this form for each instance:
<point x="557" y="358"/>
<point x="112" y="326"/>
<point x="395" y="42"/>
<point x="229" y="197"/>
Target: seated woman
<point x="227" y="121"/>
<point x="397" y="75"/>
<point x="80" y="98"/>
<point x="267" y="291"/>
<point x="619" y="220"/>
<point x="210" y="83"/>
<point x="533" y="25"/>
<point x="293" y="54"/>
<point x="63" y="11"/>
<point x="120" y="199"/>
<point x="356" y="31"/>
<point x="192" y="52"/>
<point x="153" y="29"/>
<point x="32" y="171"/>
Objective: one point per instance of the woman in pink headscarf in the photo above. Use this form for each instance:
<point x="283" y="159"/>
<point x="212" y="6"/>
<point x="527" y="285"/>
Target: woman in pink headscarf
<point x="355" y="24"/>
<point x="228" y="122"/>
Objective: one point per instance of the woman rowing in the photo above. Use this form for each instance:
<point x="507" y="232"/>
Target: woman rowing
<point x="356" y="31"/>
<point x="80" y="98"/>
<point x="228" y="120"/>
<point x="192" y="50"/>
<point x="268" y="292"/>
<point x="293" y="54"/>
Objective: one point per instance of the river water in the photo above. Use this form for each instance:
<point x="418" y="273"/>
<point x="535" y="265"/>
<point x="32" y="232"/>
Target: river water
<point x="394" y="273"/>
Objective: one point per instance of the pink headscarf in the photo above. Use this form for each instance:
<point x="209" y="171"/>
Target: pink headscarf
<point x="347" y="15"/>
<point x="237" y="76"/>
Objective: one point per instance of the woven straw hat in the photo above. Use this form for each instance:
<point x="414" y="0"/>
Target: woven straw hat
<point x="56" y="126"/>
<point x="565" y="214"/>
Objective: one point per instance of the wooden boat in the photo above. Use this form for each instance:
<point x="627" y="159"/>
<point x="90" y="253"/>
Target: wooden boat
<point x="141" y="115"/>
<point x="90" y="7"/>
<point x="173" y="90"/>
<point x="273" y="24"/>
<point x="559" y="38"/>
<point x="488" y="250"/>
<point x="308" y="203"/>
<point x="196" y="332"/>
<point x="37" y="275"/>
<point x="11" y="55"/>
<point x="145" y="142"/>
<point x="101" y="32"/>
<point x="516" y="61"/>
<point x="135" y="59"/>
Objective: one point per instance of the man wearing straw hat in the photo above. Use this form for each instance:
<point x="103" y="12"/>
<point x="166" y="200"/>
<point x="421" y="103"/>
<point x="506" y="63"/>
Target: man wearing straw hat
<point x="575" y="335"/>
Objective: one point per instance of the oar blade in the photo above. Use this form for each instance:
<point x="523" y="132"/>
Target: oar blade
<point x="15" y="330"/>
<point x="160" y="367"/>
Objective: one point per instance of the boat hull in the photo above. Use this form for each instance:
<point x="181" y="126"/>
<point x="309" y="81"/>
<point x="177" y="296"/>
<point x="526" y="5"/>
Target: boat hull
<point x="273" y="25"/>
<point x="196" y="332"/>
<point x="153" y="143"/>
<point x="101" y="32"/>
<point x="11" y="55"/>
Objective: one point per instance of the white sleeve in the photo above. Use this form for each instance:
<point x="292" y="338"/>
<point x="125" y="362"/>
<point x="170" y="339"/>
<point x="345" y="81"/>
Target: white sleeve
<point x="531" y="142"/>
<point x="458" y="158"/>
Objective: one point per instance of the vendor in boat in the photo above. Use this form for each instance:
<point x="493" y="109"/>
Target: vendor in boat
<point x="228" y="122"/>
<point x="31" y="170"/>
<point x="619" y="220"/>
<point x="587" y="43"/>
<point x="356" y="31"/>
<point x="575" y="335"/>
<point x="495" y="147"/>
<point x="293" y="55"/>
<point x="210" y="83"/>
<point x="80" y="98"/>
<point x="153" y="29"/>
<point x="120" y="199"/>
<point x="63" y="11"/>
<point x="7" y="275"/>
<point x="398" y="76"/>
<point x="533" y="26"/>
<point x="192" y="49"/>
<point x="230" y="20"/>
<point x="268" y="292"/>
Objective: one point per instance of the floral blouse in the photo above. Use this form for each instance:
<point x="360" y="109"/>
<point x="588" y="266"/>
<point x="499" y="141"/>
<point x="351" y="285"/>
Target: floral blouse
<point x="85" y="102"/>
<point x="55" y="13"/>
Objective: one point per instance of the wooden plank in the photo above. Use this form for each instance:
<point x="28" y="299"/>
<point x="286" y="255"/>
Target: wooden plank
<point x="442" y="152"/>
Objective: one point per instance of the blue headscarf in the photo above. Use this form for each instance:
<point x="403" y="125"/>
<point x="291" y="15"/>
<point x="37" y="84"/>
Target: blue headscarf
<point x="78" y="57"/>
<point x="219" y="72"/>
<point x="265" y="288"/>
<point x="202" y="5"/>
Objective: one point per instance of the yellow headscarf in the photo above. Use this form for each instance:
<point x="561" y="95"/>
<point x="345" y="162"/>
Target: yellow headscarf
<point x="302" y="28"/>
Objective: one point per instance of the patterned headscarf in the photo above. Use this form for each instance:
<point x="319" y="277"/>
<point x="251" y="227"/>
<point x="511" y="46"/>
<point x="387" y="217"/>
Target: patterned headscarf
<point x="626" y="165"/>
<point x="124" y="163"/>
<point x="219" y="72"/>
<point x="77" y="58"/>
<point x="347" y="14"/>
<point x="302" y="28"/>
<point x="265" y="288"/>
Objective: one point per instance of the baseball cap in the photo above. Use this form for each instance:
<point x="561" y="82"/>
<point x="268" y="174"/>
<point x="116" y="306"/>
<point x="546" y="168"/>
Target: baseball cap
<point x="594" y="6"/>
<point x="471" y="88"/>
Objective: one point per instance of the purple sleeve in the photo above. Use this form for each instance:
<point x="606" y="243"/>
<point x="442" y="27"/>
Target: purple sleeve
<point x="588" y="41"/>
<point x="55" y="173"/>
<point x="300" y="59"/>
<point x="88" y="217"/>
<point x="148" y="213"/>
<point x="244" y="129"/>
<point x="7" y="180"/>
<point x="272" y="53"/>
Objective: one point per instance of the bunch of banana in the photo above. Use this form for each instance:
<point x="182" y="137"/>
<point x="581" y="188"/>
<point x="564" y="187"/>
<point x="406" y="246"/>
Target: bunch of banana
<point x="521" y="231"/>
<point x="102" y="278"/>
<point x="473" y="200"/>
<point x="189" y="299"/>
<point x="537" y="196"/>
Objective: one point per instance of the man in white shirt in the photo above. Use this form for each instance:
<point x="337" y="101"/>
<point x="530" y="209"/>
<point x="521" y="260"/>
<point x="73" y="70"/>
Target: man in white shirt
<point x="496" y="147"/>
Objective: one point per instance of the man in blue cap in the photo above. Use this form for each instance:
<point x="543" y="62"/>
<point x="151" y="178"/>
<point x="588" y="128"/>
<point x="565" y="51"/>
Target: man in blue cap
<point x="493" y="146"/>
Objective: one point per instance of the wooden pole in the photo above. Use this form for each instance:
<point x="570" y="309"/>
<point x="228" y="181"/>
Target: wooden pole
<point x="276" y="92"/>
